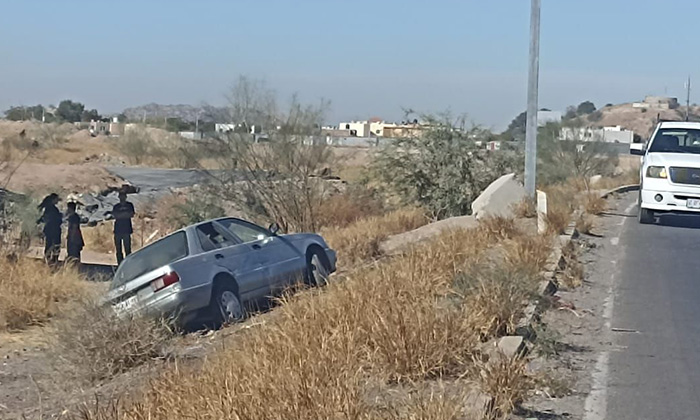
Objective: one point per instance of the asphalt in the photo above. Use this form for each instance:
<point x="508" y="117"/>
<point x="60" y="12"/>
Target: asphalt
<point x="653" y="369"/>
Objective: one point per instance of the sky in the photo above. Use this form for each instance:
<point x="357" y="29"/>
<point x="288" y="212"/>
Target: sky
<point x="369" y="58"/>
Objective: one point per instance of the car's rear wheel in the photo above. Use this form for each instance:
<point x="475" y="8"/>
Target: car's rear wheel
<point x="226" y="305"/>
<point x="317" y="270"/>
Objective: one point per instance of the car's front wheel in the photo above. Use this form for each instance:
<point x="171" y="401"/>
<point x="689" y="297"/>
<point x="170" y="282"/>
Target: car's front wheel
<point x="226" y="305"/>
<point x="317" y="270"/>
<point x="645" y="216"/>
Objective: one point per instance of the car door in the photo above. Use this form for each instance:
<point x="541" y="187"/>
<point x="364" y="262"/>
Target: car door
<point x="226" y="250"/>
<point x="283" y="264"/>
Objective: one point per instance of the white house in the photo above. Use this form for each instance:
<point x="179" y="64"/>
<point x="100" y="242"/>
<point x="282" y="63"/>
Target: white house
<point x="614" y="134"/>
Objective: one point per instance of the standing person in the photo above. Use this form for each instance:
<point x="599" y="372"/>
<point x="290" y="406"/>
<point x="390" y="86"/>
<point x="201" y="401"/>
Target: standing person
<point x="74" y="240"/>
<point x="123" y="212"/>
<point x="52" y="219"/>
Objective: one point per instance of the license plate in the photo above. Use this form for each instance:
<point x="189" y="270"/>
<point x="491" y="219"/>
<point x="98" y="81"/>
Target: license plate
<point x="693" y="203"/>
<point x="125" y="305"/>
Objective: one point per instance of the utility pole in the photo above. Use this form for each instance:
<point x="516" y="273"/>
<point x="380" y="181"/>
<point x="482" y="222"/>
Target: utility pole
<point x="532" y="91"/>
<point x="687" y="100"/>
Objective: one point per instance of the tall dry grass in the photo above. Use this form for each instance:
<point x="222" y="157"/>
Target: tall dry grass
<point x="401" y="321"/>
<point x="359" y="241"/>
<point x="31" y="293"/>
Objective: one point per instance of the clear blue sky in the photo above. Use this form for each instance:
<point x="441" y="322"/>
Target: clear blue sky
<point x="370" y="58"/>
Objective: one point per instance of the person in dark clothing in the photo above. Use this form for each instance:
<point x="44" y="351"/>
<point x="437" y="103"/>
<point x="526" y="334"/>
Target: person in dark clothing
<point x="52" y="219"/>
<point x="74" y="240"/>
<point x="123" y="212"/>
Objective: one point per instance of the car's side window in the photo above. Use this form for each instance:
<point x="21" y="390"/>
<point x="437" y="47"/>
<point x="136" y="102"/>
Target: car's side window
<point x="246" y="232"/>
<point x="212" y="238"/>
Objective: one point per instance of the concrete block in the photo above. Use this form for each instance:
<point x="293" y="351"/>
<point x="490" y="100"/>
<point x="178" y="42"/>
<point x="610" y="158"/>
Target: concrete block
<point x="547" y="288"/>
<point x="477" y="404"/>
<point x="512" y="345"/>
<point x="397" y="243"/>
<point x="499" y="198"/>
<point x="541" y="212"/>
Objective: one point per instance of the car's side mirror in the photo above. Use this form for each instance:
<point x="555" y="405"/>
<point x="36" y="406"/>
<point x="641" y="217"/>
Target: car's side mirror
<point x="637" y="149"/>
<point x="274" y="228"/>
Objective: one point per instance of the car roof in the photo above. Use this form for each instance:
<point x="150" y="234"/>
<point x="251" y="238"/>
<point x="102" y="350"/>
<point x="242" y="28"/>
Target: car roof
<point x="680" y="124"/>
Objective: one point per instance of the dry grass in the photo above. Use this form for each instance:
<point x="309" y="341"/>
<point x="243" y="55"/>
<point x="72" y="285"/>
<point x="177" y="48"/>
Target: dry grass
<point x="507" y="381"/>
<point x="594" y="204"/>
<point x="341" y="210"/>
<point x="315" y="358"/>
<point x="573" y="273"/>
<point x="32" y="293"/>
<point x="500" y="227"/>
<point x="526" y="208"/>
<point x="528" y="254"/>
<point x="359" y="241"/>
<point x="99" y="344"/>
<point x="585" y="224"/>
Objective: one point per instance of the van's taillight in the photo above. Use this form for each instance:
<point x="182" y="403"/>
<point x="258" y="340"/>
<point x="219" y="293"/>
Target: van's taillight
<point x="165" y="281"/>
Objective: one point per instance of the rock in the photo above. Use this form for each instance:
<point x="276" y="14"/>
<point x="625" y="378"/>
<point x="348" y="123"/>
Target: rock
<point x="498" y="198"/>
<point x="512" y="345"/>
<point x="595" y="179"/>
<point x="547" y="288"/>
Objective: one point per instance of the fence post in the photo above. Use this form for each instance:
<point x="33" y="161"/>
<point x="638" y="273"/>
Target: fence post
<point x="541" y="211"/>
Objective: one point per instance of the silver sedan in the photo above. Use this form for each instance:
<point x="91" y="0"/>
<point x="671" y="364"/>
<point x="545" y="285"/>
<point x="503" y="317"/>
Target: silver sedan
<point x="216" y="269"/>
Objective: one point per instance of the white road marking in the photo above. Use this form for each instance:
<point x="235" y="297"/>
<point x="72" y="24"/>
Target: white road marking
<point x="596" y="405"/>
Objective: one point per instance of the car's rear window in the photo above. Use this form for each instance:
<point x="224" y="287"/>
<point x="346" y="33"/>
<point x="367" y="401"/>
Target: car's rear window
<point x="158" y="254"/>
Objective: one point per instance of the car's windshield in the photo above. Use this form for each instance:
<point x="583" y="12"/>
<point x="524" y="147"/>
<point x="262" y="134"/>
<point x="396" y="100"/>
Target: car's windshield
<point x="676" y="140"/>
<point x="158" y="254"/>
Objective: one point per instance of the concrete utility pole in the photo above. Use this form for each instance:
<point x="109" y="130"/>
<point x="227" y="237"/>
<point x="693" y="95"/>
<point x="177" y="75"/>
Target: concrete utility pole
<point x="687" y="100"/>
<point x="532" y="90"/>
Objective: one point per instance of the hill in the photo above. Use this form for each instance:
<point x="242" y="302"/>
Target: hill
<point x="207" y="113"/>
<point x="640" y="120"/>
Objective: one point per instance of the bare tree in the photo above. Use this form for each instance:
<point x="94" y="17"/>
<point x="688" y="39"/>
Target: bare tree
<point x="276" y="178"/>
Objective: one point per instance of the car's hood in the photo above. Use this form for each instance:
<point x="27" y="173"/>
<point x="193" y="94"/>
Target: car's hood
<point x="687" y="160"/>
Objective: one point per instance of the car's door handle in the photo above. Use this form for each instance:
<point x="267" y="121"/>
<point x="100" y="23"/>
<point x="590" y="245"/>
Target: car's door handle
<point x="219" y="257"/>
<point x="256" y="246"/>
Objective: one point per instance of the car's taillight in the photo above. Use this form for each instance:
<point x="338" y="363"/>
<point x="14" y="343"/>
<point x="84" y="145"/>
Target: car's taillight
<point x="165" y="281"/>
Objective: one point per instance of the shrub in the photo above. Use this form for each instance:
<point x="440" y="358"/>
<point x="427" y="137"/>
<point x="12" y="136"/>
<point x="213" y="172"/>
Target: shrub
<point x="100" y="344"/>
<point x="32" y="293"/>
<point x="441" y="170"/>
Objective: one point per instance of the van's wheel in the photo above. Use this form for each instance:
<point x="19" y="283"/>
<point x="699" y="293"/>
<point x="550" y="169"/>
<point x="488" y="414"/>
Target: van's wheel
<point x="226" y="305"/>
<point x="317" y="271"/>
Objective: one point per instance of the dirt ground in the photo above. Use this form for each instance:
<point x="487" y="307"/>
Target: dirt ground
<point x="574" y="329"/>
<point x="41" y="177"/>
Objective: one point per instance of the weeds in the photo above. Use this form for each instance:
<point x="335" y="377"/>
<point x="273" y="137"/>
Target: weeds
<point x="594" y="204"/>
<point x="526" y="208"/>
<point x="100" y="344"/>
<point x="506" y="380"/>
<point x="500" y="227"/>
<point x="359" y="242"/>
<point x="573" y="273"/>
<point x="32" y="293"/>
<point x="528" y="254"/>
<point x="585" y="224"/>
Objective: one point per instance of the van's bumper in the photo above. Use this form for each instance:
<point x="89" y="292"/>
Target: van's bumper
<point x="673" y="200"/>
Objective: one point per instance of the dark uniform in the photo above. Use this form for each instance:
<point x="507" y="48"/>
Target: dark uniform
<point x="52" y="219"/>
<point x="123" y="212"/>
<point x="74" y="241"/>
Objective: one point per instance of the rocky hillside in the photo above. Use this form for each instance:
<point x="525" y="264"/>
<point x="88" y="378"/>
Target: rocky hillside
<point x="207" y="113"/>
<point x="641" y="121"/>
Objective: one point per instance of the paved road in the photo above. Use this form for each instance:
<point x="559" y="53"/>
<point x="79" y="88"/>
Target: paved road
<point x="652" y="370"/>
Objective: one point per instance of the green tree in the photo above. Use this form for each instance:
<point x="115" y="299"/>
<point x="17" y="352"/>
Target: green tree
<point x="90" y="115"/>
<point x="516" y="128"/>
<point x="585" y="108"/>
<point x="70" y="111"/>
<point x="442" y="170"/>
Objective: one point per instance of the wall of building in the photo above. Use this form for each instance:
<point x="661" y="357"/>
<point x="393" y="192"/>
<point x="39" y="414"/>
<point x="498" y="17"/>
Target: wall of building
<point x="605" y="135"/>
<point x="361" y="128"/>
